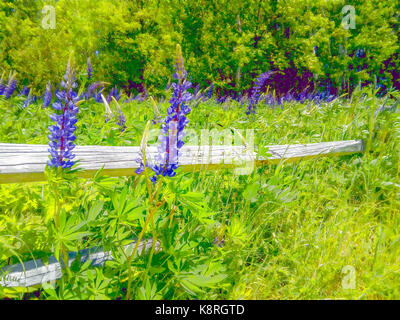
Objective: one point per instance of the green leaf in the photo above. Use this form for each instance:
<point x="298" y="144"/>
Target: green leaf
<point x="251" y="192"/>
<point x="95" y="210"/>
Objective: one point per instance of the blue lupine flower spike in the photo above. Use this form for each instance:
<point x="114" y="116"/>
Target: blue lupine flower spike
<point x="47" y="96"/>
<point x="89" y="68"/>
<point x="2" y="85"/>
<point x="11" y="86"/>
<point x="25" y="91"/>
<point x="62" y="134"/>
<point x="121" y="117"/>
<point x="254" y="98"/>
<point x="172" y="129"/>
<point x="28" y="101"/>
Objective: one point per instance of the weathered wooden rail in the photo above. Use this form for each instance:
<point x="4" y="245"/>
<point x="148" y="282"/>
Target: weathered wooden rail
<point x="35" y="272"/>
<point x="26" y="163"/>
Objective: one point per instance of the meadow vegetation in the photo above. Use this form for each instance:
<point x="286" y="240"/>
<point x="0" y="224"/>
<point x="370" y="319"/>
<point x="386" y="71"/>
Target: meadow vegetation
<point x="285" y="231"/>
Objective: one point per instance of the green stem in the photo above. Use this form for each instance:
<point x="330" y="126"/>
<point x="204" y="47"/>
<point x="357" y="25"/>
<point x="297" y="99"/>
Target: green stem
<point x="149" y="218"/>
<point x="63" y="251"/>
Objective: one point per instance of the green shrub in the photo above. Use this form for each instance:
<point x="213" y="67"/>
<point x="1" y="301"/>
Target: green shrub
<point x="226" y="42"/>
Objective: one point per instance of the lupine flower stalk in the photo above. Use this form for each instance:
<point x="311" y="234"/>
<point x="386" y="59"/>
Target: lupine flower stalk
<point x="108" y="113"/>
<point x="157" y="115"/>
<point x="2" y="85"/>
<point x="174" y="123"/>
<point x="89" y="68"/>
<point x="113" y="93"/>
<point x="28" y="101"/>
<point x="11" y="86"/>
<point x="62" y="135"/>
<point x="254" y="98"/>
<point x="25" y="91"/>
<point x="47" y="96"/>
<point x="97" y="95"/>
<point x="121" y="117"/>
<point x="90" y="91"/>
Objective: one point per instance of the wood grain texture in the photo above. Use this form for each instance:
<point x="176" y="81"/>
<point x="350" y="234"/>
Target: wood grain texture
<point x="35" y="272"/>
<point x="26" y="163"/>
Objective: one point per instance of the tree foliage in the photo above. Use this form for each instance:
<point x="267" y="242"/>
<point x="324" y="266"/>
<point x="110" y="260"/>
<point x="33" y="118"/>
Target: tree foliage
<point x="131" y="43"/>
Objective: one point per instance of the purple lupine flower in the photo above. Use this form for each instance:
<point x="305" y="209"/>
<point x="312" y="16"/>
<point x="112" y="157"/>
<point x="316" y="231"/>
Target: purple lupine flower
<point x="113" y="93"/>
<point x="196" y="94"/>
<point x="28" y="101"/>
<point x="269" y="100"/>
<point x="25" y="91"/>
<point x="360" y="53"/>
<point x="11" y="86"/>
<point x="302" y="97"/>
<point x="210" y="91"/>
<point x="89" y="68"/>
<point x="121" y="120"/>
<point x="141" y="97"/>
<point x="47" y="96"/>
<point x="97" y="95"/>
<point x="219" y="242"/>
<point x="259" y="83"/>
<point x="62" y="135"/>
<point x="121" y="117"/>
<point x="2" y="87"/>
<point x="221" y="99"/>
<point x="91" y="88"/>
<point x="172" y="129"/>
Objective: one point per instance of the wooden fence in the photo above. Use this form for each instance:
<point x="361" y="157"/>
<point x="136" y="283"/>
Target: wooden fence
<point x="26" y="163"/>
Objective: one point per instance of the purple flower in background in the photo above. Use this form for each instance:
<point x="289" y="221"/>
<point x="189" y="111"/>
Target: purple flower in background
<point x="28" y="101"/>
<point x="121" y="120"/>
<point x="90" y="90"/>
<point x="269" y="100"/>
<point x="221" y="99"/>
<point x="97" y="95"/>
<point x="210" y="91"/>
<point x="113" y="93"/>
<point x="360" y="53"/>
<point x="254" y="98"/>
<point x="174" y="123"/>
<point x="89" y="68"/>
<point x="37" y="293"/>
<point x="47" y="96"/>
<point x="69" y="81"/>
<point x="2" y="86"/>
<point x="62" y="134"/>
<point x="219" y="242"/>
<point x="11" y="86"/>
<point x="121" y="117"/>
<point x="196" y="92"/>
<point x="25" y="91"/>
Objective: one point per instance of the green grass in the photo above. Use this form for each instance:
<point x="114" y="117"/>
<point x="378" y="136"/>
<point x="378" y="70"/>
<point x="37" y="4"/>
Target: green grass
<point x="289" y="229"/>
